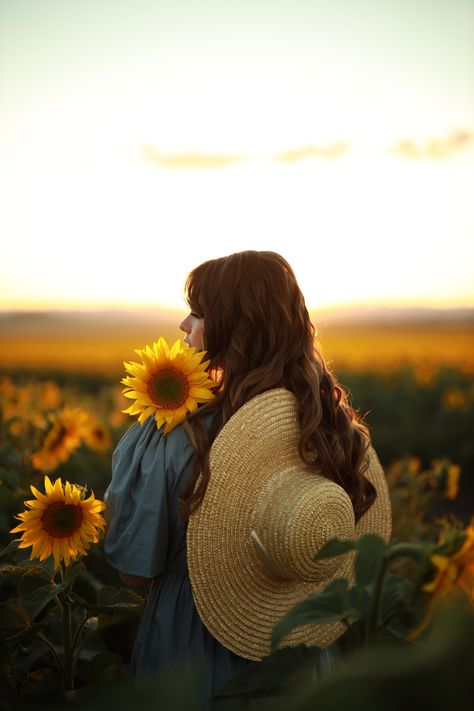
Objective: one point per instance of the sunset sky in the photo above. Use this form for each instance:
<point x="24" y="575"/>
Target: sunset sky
<point x="139" y="138"/>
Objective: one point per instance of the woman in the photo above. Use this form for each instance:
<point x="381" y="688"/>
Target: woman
<point x="249" y="315"/>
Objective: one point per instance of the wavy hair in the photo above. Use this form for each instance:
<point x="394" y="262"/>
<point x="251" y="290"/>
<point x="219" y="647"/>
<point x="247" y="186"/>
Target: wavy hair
<point x="258" y="336"/>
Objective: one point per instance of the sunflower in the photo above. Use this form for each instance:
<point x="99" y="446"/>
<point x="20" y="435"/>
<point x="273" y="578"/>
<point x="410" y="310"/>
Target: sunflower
<point x="61" y="522"/>
<point x="65" y="435"/>
<point x="168" y="384"/>
<point x="97" y="435"/>
<point x="454" y="574"/>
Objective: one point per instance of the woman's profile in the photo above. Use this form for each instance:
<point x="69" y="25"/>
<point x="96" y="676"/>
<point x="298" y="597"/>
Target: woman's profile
<point x="222" y="516"/>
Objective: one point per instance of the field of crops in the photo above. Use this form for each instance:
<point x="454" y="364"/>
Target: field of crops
<point x="355" y="348"/>
<point x="61" y="414"/>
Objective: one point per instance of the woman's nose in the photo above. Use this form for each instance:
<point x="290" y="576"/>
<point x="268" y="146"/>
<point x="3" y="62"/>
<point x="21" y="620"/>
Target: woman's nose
<point x="184" y="326"/>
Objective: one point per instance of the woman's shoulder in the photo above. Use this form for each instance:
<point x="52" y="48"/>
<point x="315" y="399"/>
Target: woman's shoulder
<point x="179" y="441"/>
<point x="143" y="437"/>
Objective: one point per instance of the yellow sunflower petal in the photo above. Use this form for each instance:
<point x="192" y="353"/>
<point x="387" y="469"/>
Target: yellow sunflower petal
<point x="202" y="393"/>
<point x="58" y="489"/>
<point x="48" y="486"/>
<point x="38" y="494"/>
<point x="163" y="346"/>
<point x="132" y="394"/>
<point x="19" y="528"/>
<point x="34" y="504"/>
<point x="175" y="349"/>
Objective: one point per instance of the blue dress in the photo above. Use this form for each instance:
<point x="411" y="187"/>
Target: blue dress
<point x="143" y="537"/>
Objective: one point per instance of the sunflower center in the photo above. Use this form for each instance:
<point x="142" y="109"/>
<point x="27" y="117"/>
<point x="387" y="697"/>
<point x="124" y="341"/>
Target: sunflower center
<point x="168" y="388"/>
<point x="62" y="520"/>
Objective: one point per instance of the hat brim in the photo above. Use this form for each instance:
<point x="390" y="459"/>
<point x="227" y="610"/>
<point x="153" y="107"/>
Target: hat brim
<point x="237" y="598"/>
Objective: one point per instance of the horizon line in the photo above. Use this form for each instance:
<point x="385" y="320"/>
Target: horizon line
<point x="153" y="308"/>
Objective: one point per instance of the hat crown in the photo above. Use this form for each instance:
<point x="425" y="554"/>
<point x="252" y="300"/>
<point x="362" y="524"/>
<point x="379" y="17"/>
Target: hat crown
<point x="296" y="514"/>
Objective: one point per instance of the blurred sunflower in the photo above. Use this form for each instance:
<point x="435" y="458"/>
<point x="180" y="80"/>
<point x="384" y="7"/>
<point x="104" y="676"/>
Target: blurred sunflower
<point x="60" y="522"/>
<point x="454" y="574"/>
<point x="21" y="424"/>
<point x="50" y="395"/>
<point x="168" y="383"/>
<point x="68" y="427"/>
<point x="452" y="481"/>
<point x="97" y="435"/>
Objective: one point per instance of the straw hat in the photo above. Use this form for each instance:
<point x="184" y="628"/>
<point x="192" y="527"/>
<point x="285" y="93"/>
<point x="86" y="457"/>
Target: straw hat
<point x="263" y="518"/>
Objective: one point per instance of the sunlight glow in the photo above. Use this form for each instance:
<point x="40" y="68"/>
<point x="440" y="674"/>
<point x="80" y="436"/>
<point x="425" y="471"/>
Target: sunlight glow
<point x="132" y="150"/>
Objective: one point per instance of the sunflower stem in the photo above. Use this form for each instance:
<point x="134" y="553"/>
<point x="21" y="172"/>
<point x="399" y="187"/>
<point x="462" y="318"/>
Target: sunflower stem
<point x="68" y="677"/>
<point x="53" y="652"/>
<point x="75" y="651"/>
<point x="411" y="550"/>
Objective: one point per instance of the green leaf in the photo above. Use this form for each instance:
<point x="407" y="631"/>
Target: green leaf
<point x="40" y="681"/>
<point x="36" y="590"/>
<point x="112" y="601"/>
<point x="437" y="675"/>
<point x="73" y="570"/>
<point x="12" y="546"/>
<point x="370" y="552"/>
<point x="27" y="650"/>
<point x="275" y="675"/>
<point x="8" y="691"/>
<point x="7" y="672"/>
<point x="104" y="667"/>
<point x="110" y="595"/>
<point x="396" y="589"/>
<point x="403" y="607"/>
<point x="327" y="606"/>
<point x="336" y="546"/>
<point x="358" y="601"/>
<point x="23" y="566"/>
<point x="14" y="617"/>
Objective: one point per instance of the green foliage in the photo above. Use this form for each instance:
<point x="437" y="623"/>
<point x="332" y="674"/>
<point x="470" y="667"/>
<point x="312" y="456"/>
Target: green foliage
<point x="437" y="675"/>
<point x="328" y="606"/>
<point x="419" y="429"/>
<point x="275" y="676"/>
<point x="43" y="617"/>
<point x="413" y="416"/>
<point x="377" y="609"/>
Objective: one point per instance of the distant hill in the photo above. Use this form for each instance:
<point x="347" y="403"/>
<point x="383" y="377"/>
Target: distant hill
<point x="396" y="316"/>
<point x="108" y="321"/>
<point x="103" y="322"/>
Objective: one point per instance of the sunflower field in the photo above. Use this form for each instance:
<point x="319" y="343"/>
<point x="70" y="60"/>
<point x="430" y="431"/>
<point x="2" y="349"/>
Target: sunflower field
<point x="68" y="623"/>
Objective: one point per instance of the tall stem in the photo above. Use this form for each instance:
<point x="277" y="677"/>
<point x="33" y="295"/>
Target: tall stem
<point x="76" y="647"/>
<point x="53" y="652"/>
<point x="68" y="676"/>
<point x="412" y="550"/>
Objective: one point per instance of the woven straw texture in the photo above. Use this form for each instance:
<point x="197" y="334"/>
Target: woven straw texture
<point x="263" y="503"/>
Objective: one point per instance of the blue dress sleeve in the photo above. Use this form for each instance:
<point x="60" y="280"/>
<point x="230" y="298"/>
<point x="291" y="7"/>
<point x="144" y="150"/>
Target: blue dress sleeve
<point x="136" y="537"/>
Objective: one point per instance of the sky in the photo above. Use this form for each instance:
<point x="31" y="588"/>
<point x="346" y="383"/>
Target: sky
<point x="139" y="138"/>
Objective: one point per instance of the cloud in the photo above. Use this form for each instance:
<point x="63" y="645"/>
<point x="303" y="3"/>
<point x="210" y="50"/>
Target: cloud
<point x="293" y="155"/>
<point x="434" y="148"/>
<point x="194" y="161"/>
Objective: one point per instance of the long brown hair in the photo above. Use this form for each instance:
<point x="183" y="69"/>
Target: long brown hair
<point x="258" y="335"/>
